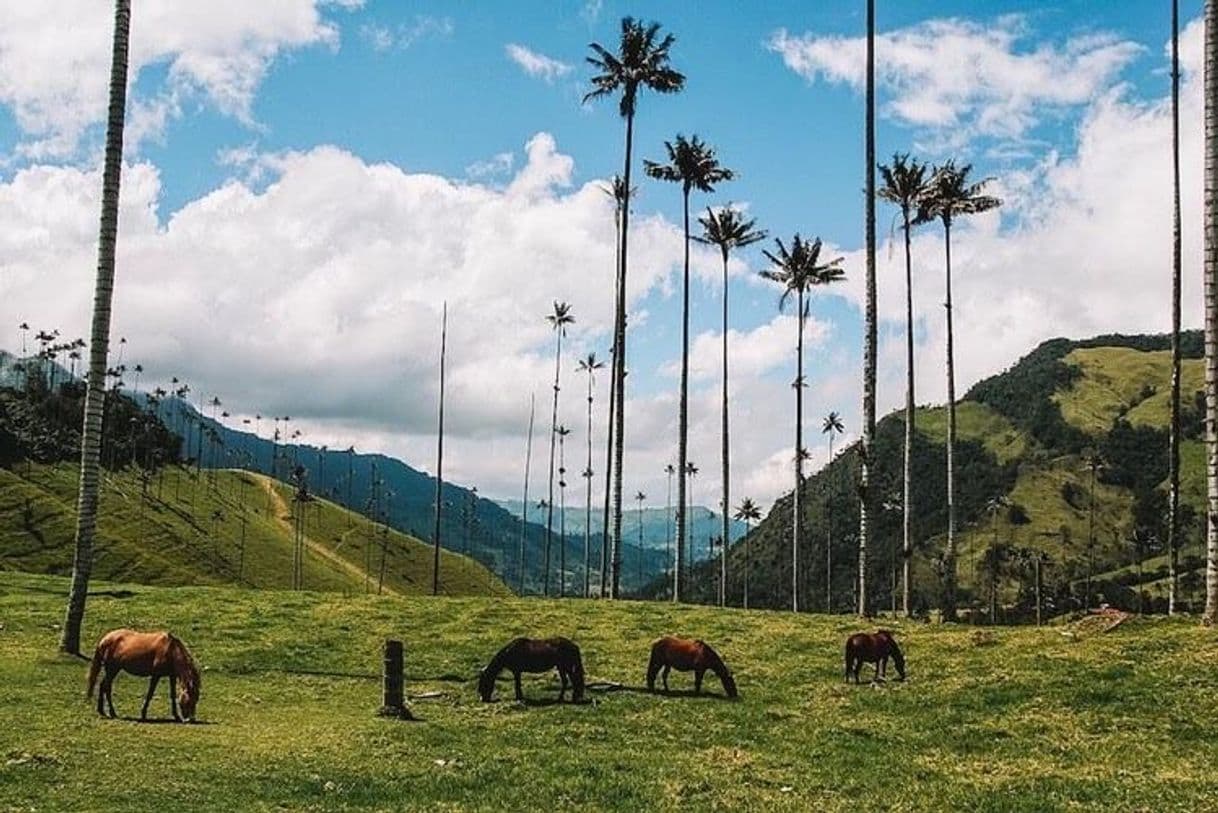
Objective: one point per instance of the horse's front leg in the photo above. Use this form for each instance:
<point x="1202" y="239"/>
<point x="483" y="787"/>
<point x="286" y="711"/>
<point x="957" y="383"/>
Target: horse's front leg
<point x="562" y="675"/>
<point x="173" y="697"/>
<point x="698" y="680"/>
<point x="667" y="669"/>
<point x="519" y="693"/>
<point x="148" y="698"/>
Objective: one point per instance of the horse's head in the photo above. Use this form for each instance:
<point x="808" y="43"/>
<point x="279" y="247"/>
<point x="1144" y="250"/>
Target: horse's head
<point x="486" y="684"/>
<point x="898" y="658"/>
<point x="188" y="698"/>
<point x="729" y="683"/>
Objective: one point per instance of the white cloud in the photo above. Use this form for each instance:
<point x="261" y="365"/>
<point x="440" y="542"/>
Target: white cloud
<point x="754" y="352"/>
<point x="423" y="26"/>
<point x="498" y="164"/>
<point x="535" y="64"/>
<point x="591" y="11"/>
<point x="55" y="60"/>
<point x="959" y="79"/>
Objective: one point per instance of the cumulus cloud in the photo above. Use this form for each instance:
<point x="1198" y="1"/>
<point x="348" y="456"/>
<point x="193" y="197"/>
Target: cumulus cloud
<point x="960" y="79"/>
<point x="55" y="60"/>
<point x="423" y="26"/>
<point x="536" y="64"/>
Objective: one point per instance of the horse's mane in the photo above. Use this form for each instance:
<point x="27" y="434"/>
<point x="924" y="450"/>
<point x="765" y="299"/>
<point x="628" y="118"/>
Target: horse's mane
<point x="486" y="678"/>
<point x="188" y="668"/>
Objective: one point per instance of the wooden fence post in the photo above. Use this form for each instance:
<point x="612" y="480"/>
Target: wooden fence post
<point x="394" y="697"/>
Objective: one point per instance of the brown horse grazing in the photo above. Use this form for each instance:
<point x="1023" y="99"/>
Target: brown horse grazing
<point x="875" y="648"/>
<point x="536" y="655"/>
<point x="146" y="654"/>
<point x="684" y="655"/>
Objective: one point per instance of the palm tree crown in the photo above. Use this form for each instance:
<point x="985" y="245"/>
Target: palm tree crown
<point x="905" y="182"/>
<point x="748" y="511"/>
<point x="833" y="423"/>
<point x="561" y="317"/>
<point x="641" y="61"/>
<point x="692" y="163"/>
<point x="728" y="229"/>
<point x="949" y="194"/>
<point x="800" y="268"/>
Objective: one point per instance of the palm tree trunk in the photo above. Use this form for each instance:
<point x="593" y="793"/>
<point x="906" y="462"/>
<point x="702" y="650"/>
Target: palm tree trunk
<point x="435" y="535"/>
<point x="1211" y="308"/>
<point x="588" y="515"/>
<point x="869" y="337"/>
<point x="609" y="435"/>
<point x="668" y="526"/>
<point x="829" y="537"/>
<point x="683" y="414"/>
<point x="726" y="461"/>
<point x="797" y="515"/>
<point x="748" y="564"/>
<point x="949" y="599"/>
<point x="524" y="518"/>
<point x="545" y="579"/>
<point x="1173" y="493"/>
<point x="620" y="371"/>
<point x="907" y="520"/>
<point x="90" y="454"/>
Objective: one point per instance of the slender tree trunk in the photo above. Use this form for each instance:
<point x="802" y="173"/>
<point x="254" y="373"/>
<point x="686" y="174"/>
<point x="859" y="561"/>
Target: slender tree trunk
<point x="683" y="415"/>
<point x="949" y="599"/>
<point x="668" y="529"/>
<point x="524" y="520"/>
<point x="726" y="452"/>
<point x="796" y="513"/>
<point x="612" y="414"/>
<point x="748" y="563"/>
<point x="1173" y="492"/>
<point x="588" y="516"/>
<point x="99" y="342"/>
<point x="545" y="579"/>
<point x="562" y="518"/>
<point x="869" y="337"/>
<point x="1211" y="308"/>
<point x="620" y="429"/>
<point x="907" y="519"/>
<point x="829" y="538"/>
<point x="435" y="565"/>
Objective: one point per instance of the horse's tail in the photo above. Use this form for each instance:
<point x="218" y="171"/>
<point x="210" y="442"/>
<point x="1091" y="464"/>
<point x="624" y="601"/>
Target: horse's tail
<point x="99" y="655"/>
<point x="654" y="665"/>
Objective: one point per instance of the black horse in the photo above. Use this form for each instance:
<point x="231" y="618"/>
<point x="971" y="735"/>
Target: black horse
<point x="536" y="655"/>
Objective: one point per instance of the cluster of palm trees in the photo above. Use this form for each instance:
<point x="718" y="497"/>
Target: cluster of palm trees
<point x="642" y="62"/>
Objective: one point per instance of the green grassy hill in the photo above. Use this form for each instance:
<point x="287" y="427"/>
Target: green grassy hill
<point x="1020" y="718"/>
<point x="221" y="527"/>
<point x="1024" y="436"/>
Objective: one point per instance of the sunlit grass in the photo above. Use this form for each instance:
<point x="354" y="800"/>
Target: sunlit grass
<point x="1033" y="720"/>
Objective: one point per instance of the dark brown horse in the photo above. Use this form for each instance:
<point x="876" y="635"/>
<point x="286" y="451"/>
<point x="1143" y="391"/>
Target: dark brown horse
<point x="685" y="655"/>
<point x="875" y="648"/>
<point x="146" y="654"/>
<point x="536" y="655"/>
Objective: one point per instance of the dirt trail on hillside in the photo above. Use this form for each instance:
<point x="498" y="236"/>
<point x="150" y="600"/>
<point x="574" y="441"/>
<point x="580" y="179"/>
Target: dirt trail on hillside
<point x="281" y="509"/>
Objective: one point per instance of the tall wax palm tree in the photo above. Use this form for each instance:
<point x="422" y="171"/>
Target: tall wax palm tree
<point x="670" y="470"/>
<point x="620" y="196"/>
<point x="798" y="270"/>
<point x="727" y="229"/>
<point x="692" y="164"/>
<point x="1173" y="477"/>
<point x="562" y="433"/>
<point x="99" y="339"/>
<point x="748" y="513"/>
<point x="1211" y="308"/>
<point x="831" y="426"/>
<point x="905" y="182"/>
<point x="867" y="444"/>
<point x="690" y="471"/>
<point x="641" y="62"/>
<point x="589" y="365"/>
<point x="435" y="536"/>
<point x="952" y="194"/>
<point x="639" y="497"/>
<point x="559" y="319"/>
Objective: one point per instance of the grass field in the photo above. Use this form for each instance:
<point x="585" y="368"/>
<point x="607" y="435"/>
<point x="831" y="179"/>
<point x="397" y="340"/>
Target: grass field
<point x="1016" y="719"/>
<point x="1114" y="381"/>
<point x="188" y="530"/>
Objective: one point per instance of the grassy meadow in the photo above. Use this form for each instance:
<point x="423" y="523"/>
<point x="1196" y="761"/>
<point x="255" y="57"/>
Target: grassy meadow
<point x="1055" y="718"/>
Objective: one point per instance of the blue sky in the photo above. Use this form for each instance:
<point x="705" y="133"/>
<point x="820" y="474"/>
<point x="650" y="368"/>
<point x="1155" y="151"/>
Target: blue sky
<point x="429" y="88"/>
